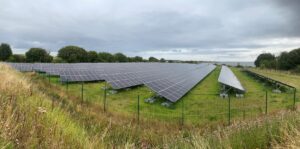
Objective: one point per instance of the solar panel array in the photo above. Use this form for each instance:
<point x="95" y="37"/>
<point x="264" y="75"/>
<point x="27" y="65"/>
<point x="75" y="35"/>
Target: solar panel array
<point x="228" y="78"/>
<point x="170" y="80"/>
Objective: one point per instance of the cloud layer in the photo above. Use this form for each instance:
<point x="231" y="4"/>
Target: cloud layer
<point x="229" y="30"/>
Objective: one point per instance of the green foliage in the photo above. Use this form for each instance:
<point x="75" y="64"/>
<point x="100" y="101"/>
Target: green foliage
<point x="294" y="58"/>
<point x="58" y="60"/>
<point x="5" y="52"/>
<point x="120" y="57"/>
<point x="18" y="58"/>
<point x="297" y="69"/>
<point x="264" y="57"/>
<point x="73" y="54"/>
<point x="105" y="57"/>
<point x="285" y="61"/>
<point x="162" y="60"/>
<point x="137" y="59"/>
<point x="270" y="64"/>
<point x="153" y="59"/>
<point x="92" y="56"/>
<point x="38" y="55"/>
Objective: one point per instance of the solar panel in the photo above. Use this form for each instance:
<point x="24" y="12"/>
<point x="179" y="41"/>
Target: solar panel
<point x="23" y="67"/>
<point x="170" y="80"/>
<point x="228" y="78"/>
<point x="175" y="87"/>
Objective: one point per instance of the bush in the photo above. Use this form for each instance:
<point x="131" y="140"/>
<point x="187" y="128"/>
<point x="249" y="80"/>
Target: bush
<point x="5" y="52"/>
<point x="73" y="54"/>
<point x="105" y="57"/>
<point x="153" y="59"/>
<point x="58" y="60"/>
<point x="92" y="56"/>
<point x="264" y="57"/>
<point x="297" y="69"/>
<point x="120" y="57"/>
<point x="38" y="55"/>
<point x="18" y="58"/>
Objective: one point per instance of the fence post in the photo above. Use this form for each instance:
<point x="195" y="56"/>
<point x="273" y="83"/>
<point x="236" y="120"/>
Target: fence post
<point x="229" y="111"/>
<point x="81" y="92"/>
<point x="67" y="86"/>
<point x="295" y="99"/>
<point x="104" y="98"/>
<point x="266" y="112"/>
<point x="182" y="113"/>
<point x="138" y="110"/>
<point x="49" y="78"/>
<point x="52" y="104"/>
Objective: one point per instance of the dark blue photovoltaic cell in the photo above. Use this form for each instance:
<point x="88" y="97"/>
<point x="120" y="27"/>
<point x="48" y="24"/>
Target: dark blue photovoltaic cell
<point x="228" y="78"/>
<point x="175" y="88"/>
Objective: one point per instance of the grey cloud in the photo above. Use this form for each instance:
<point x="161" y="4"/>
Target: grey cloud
<point x="137" y="27"/>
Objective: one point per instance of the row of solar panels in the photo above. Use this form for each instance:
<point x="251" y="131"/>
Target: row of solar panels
<point x="228" y="78"/>
<point x="171" y="81"/>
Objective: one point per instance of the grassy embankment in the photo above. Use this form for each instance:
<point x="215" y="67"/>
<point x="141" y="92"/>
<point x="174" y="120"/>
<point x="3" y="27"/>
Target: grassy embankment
<point x="36" y="114"/>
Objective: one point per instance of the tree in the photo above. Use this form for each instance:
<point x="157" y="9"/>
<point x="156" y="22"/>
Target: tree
<point x="270" y="64"/>
<point x="38" y="55"/>
<point x="58" y="60"/>
<point x="5" y="52"/>
<point x="294" y="58"/>
<point x="19" y="58"/>
<point x="153" y="59"/>
<point x="138" y="59"/>
<point x="284" y="61"/>
<point x="73" y="54"/>
<point x="92" y="56"/>
<point x="264" y="57"/>
<point x="162" y="60"/>
<point x="105" y="57"/>
<point x="119" y="57"/>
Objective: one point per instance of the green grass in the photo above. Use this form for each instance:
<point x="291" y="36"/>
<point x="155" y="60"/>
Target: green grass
<point x="202" y="105"/>
<point x="282" y="76"/>
<point x="74" y="125"/>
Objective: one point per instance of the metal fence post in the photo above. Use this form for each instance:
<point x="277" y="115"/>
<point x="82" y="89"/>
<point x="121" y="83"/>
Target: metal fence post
<point x="49" y="78"/>
<point x="266" y="112"/>
<point x="67" y="86"/>
<point x="295" y="99"/>
<point x="81" y="92"/>
<point x="229" y="111"/>
<point x="104" y="98"/>
<point x="182" y="113"/>
<point x="138" y="110"/>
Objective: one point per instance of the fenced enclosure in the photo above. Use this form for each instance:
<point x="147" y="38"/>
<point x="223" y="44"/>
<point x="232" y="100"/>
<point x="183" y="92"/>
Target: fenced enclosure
<point x="194" y="109"/>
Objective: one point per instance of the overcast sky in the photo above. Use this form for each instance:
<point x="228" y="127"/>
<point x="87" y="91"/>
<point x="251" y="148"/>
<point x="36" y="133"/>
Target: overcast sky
<point x="213" y="30"/>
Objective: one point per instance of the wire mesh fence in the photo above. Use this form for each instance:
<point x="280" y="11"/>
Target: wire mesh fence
<point x="192" y="109"/>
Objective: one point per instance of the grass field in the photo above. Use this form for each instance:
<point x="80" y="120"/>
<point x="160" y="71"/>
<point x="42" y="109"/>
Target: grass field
<point x="202" y="105"/>
<point x="291" y="79"/>
<point x="36" y="114"/>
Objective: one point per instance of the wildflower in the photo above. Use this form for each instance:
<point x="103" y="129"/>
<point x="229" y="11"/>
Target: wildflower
<point x="41" y="110"/>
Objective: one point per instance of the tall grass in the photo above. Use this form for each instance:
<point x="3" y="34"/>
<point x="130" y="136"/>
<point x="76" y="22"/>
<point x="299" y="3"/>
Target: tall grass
<point x="28" y="120"/>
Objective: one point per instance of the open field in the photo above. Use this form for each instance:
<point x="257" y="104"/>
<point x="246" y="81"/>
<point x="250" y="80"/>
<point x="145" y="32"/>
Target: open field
<point x="202" y="105"/>
<point x="53" y="119"/>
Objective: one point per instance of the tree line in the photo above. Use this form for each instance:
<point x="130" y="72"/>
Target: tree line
<point x="285" y="61"/>
<point x="68" y="54"/>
